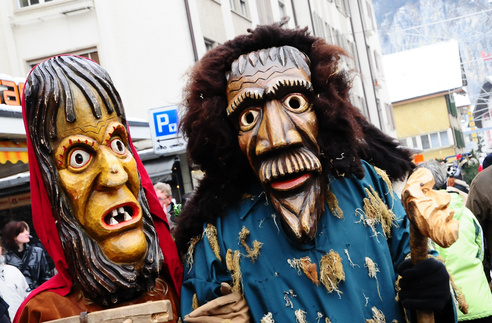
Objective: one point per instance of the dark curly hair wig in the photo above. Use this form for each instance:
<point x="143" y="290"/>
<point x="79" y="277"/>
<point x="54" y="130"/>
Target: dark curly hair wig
<point x="345" y="136"/>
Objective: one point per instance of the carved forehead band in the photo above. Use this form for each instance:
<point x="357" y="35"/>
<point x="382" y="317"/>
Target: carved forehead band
<point x="251" y="63"/>
<point x="284" y="55"/>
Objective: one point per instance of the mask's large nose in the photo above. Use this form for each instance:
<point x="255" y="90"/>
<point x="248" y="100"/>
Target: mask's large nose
<point x="276" y="130"/>
<point x="112" y="174"/>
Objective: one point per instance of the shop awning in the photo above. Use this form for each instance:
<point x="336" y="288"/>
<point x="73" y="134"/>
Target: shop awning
<point x="13" y="152"/>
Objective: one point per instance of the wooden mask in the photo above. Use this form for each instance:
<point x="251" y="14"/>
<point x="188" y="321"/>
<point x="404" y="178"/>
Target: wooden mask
<point x="270" y="99"/>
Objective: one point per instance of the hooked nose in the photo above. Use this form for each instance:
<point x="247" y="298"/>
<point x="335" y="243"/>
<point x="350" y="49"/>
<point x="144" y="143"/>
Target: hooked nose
<point x="112" y="174"/>
<point x="277" y="130"/>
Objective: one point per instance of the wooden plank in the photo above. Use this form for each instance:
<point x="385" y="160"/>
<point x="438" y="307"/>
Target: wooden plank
<point x="150" y="312"/>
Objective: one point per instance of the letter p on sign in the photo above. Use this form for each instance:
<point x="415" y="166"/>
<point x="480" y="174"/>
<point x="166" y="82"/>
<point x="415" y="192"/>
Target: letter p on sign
<point x="166" y="123"/>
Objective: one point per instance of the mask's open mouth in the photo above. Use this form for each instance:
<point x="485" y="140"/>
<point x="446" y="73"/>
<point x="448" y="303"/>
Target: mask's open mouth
<point x="290" y="182"/>
<point x="119" y="215"/>
<point x="290" y="169"/>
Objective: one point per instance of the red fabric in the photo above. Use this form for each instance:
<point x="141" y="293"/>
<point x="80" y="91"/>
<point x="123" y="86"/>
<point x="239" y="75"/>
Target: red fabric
<point x="45" y="227"/>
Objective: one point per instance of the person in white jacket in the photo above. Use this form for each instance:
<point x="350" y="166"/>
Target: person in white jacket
<point x="13" y="285"/>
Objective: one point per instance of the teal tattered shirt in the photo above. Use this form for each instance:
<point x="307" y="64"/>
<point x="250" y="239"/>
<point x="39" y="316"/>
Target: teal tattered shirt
<point x="278" y="284"/>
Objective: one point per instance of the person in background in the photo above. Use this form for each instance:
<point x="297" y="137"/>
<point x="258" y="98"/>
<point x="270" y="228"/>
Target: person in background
<point x="487" y="161"/>
<point x="480" y="203"/>
<point x="13" y="286"/>
<point x="459" y="186"/>
<point x="463" y="259"/>
<point x="34" y="241"/>
<point x="30" y="260"/>
<point x="165" y="195"/>
<point x="4" y="311"/>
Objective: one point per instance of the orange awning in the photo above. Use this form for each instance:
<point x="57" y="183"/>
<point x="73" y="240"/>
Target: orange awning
<point x="13" y="152"/>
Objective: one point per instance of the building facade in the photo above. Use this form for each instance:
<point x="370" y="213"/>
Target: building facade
<point x="148" y="47"/>
<point x="422" y="85"/>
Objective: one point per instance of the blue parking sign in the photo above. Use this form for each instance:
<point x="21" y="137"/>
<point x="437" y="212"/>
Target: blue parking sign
<point x="166" y="123"/>
<point x="164" y="130"/>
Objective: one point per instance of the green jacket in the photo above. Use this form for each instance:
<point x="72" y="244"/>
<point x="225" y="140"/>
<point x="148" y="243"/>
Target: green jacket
<point x="464" y="262"/>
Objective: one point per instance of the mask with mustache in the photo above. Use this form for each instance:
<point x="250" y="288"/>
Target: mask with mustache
<point x="269" y="96"/>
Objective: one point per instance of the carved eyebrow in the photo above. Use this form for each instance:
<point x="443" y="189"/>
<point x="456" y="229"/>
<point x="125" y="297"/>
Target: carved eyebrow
<point x="286" y="84"/>
<point x="280" y="86"/>
<point x="115" y="128"/>
<point x="252" y="94"/>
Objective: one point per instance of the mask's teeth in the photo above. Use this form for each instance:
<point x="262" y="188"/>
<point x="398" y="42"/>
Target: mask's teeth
<point x="115" y="213"/>
<point x="112" y="221"/>
<point x="121" y="210"/>
<point x="127" y="216"/>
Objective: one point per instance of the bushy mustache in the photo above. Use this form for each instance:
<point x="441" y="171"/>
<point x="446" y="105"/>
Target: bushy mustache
<point x="289" y="162"/>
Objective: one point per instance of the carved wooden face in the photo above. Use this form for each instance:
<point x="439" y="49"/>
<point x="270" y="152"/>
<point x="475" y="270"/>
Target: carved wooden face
<point x="271" y="106"/>
<point x="428" y="209"/>
<point x="100" y="178"/>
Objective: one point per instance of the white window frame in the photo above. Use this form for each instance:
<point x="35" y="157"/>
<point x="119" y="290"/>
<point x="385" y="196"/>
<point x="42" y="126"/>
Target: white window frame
<point x="240" y="7"/>
<point x="88" y="52"/>
<point x="28" y="3"/>
<point x="416" y="141"/>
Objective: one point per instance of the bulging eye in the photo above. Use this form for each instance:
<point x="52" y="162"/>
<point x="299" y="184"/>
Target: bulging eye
<point x="79" y="158"/>
<point x="248" y="118"/>
<point x="117" y="146"/>
<point x="296" y="102"/>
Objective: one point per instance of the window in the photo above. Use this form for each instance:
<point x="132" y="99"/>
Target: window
<point x="240" y="7"/>
<point x="209" y="44"/>
<point x="92" y="55"/>
<point x="425" y="142"/>
<point x="435" y="140"/>
<point x="88" y="53"/>
<point x="389" y="114"/>
<point x="244" y="8"/>
<point x="27" y="3"/>
<point x="318" y="25"/>
<point x="342" y="6"/>
<point x="359" y="103"/>
<point x="355" y="55"/>
<point x="281" y="7"/>
<point x="265" y="14"/>
<point x="444" y="138"/>
<point x="370" y="15"/>
<point x="377" y="60"/>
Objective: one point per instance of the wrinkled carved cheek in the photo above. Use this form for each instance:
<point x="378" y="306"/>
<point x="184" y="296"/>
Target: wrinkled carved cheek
<point x="308" y="127"/>
<point x="131" y="169"/>
<point x="247" y="144"/>
<point x="77" y="187"/>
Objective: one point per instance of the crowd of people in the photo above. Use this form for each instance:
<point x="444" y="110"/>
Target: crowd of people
<point x="295" y="219"/>
<point x="464" y="259"/>
<point x="23" y="267"/>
